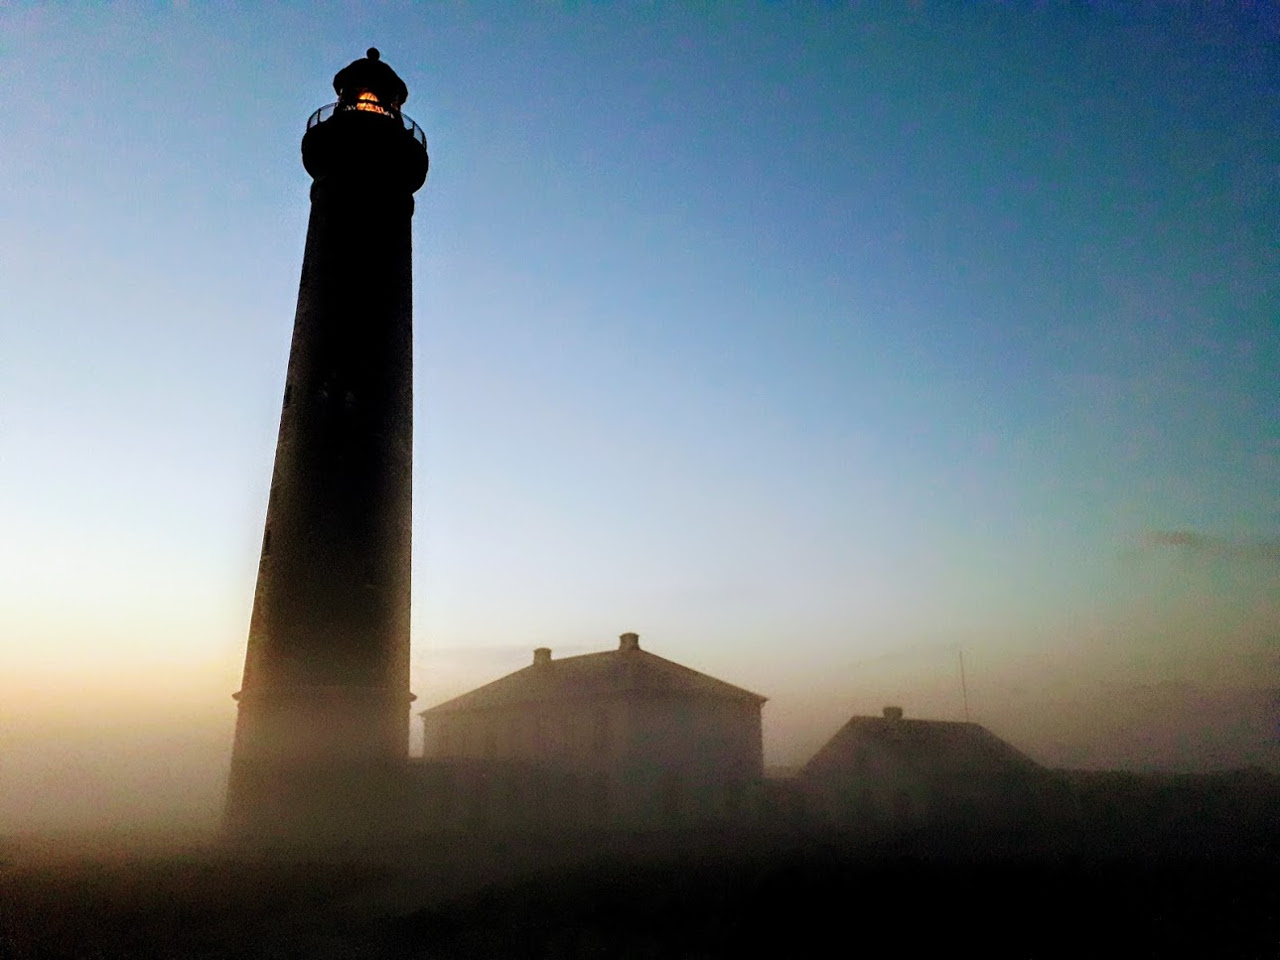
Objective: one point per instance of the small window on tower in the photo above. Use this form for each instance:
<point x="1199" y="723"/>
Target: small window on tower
<point x="266" y="542"/>
<point x="288" y="393"/>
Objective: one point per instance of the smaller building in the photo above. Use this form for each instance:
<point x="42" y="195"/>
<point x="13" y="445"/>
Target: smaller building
<point x="889" y="771"/>
<point x="618" y="739"/>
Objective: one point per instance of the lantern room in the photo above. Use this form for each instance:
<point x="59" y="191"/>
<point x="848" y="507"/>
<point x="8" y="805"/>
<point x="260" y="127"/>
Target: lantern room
<point x="370" y="85"/>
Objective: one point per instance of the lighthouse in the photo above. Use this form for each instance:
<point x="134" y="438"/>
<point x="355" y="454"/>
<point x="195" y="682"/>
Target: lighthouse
<point x="322" y="729"/>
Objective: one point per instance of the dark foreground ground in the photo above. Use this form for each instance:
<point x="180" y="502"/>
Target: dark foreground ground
<point x="1110" y="890"/>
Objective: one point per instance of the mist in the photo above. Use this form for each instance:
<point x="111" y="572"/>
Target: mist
<point x="114" y="759"/>
<point x="652" y="480"/>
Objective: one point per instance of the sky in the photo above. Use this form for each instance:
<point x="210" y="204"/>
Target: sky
<point x="815" y="342"/>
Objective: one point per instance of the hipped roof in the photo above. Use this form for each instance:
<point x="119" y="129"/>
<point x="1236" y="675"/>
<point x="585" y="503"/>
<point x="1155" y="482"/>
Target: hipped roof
<point x="614" y="673"/>
<point x="938" y="743"/>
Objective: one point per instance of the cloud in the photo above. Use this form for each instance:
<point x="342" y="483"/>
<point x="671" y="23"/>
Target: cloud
<point x="1203" y="544"/>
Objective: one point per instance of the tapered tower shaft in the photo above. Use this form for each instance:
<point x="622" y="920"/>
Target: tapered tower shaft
<point x="322" y="728"/>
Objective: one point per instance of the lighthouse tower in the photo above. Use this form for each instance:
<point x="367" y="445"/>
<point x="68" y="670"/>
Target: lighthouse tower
<point x="322" y="731"/>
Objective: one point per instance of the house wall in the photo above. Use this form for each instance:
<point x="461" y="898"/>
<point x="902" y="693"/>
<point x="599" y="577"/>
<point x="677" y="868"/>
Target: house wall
<point x="689" y="761"/>
<point x="638" y="762"/>
<point x="577" y="734"/>
<point x="467" y="796"/>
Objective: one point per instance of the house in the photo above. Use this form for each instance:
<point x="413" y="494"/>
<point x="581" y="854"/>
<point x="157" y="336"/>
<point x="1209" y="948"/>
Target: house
<point x="619" y="739"/>
<point x="897" y="772"/>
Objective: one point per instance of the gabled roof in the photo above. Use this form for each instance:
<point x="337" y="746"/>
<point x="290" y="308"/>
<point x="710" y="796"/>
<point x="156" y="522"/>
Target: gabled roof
<point x="596" y="675"/>
<point x="942" y="745"/>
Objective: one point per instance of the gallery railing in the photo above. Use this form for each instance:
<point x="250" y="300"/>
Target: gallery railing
<point x="364" y="106"/>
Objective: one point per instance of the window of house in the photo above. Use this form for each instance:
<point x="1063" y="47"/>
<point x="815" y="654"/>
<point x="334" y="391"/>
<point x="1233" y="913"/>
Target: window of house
<point x="902" y="805"/>
<point x="733" y="795"/>
<point x="600" y="796"/>
<point x="477" y="808"/>
<point x="602" y="732"/>
<point x="446" y="792"/>
<point x="550" y="734"/>
<point x="672" y="797"/>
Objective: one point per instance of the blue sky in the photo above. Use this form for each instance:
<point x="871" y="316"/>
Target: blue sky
<point x="801" y="338"/>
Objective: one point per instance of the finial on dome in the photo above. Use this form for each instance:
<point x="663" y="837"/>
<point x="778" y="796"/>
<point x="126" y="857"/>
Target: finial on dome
<point x="372" y="53"/>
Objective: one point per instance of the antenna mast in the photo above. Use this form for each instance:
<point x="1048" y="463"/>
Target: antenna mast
<point x="964" y="687"/>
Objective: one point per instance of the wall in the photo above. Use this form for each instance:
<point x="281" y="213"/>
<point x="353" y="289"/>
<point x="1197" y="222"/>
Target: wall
<point x="640" y="762"/>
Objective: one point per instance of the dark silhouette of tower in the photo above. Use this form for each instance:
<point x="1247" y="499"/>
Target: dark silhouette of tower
<point x="322" y="730"/>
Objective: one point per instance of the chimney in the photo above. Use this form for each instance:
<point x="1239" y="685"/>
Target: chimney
<point x="629" y="641"/>
<point x="893" y="713"/>
<point x="542" y="655"/>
